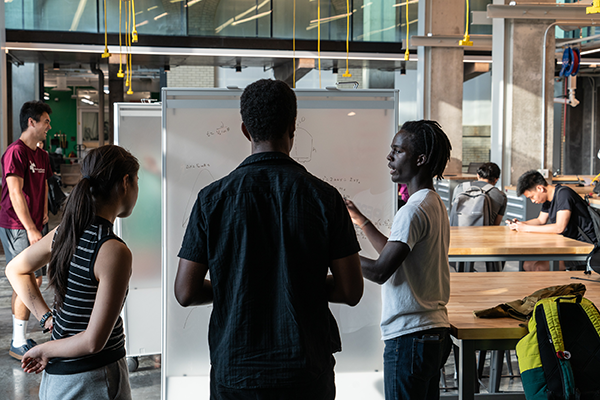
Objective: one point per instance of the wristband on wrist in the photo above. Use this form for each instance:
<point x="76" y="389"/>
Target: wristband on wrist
<point x="364" y="223"/>
<point x="45" y="318"/>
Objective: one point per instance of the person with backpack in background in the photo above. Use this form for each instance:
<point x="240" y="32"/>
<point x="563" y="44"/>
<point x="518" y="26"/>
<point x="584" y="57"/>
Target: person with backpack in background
<point x="469" y="198"/>
<point x="479" y="203"/>
<point x="489" y="173"/>
<point x="563" y="212"/>
<point x="24" y="205"/>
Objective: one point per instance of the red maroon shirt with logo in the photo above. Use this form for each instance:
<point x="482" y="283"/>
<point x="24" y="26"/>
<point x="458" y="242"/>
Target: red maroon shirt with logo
<point x="34" y="167"/>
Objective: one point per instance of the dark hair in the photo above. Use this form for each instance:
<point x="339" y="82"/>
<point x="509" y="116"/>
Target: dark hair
<point x="529" y="180"/>
<point x="427" y="138"/>
<point x="103" y="170"/>
<point x="268" y="108"/>
<point x="32" y="109"/>
<point x="489" y="170"/>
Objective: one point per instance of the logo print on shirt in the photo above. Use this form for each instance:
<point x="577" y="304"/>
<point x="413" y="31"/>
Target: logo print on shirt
<point x="35" y="169"/>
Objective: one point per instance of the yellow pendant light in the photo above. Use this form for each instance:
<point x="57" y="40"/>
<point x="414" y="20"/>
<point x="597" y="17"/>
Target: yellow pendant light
<point x="347" y="74"/>
<point x="134" y="35"/>
<point x="120" y="73"/>
<point x="106" y="54"/>
<point x="467" y="40"/>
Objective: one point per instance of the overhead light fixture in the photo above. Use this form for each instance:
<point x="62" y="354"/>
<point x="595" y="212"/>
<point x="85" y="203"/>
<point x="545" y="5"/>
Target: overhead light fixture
<point x="167" y="67"/>
<point x="55" y="66"/>
<point x="334" y="70"/>
<point x="238" y="68"/>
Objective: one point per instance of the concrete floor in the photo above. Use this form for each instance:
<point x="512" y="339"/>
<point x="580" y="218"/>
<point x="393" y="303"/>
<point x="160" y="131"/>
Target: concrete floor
<point x="17" y="385"/>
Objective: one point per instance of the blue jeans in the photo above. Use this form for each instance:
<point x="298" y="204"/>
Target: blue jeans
<point x="412" y="363"/>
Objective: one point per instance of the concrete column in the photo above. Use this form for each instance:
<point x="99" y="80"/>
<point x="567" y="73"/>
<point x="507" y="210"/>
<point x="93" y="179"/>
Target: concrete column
<point x="500" y="154"/>
<point x="517" y="95"/>
<point x="3" y="88"/>
<point x="440" y="72"/>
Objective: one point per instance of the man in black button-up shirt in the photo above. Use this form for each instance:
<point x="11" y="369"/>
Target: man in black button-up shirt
<point x="268" y="233"/>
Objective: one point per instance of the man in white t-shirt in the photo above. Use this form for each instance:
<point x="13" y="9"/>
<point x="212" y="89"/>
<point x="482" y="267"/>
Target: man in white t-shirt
<point x="413" y="266"/>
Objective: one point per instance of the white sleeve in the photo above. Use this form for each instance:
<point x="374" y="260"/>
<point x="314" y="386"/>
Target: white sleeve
<point x="407" y="226"/>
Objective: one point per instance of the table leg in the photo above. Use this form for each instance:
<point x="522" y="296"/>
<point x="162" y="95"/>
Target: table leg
<point x="467" y="371"/>
<point x="496" y="361"/>
<point x="554" y="265"/>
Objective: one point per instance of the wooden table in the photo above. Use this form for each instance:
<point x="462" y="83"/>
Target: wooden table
<point x="500" y="243"/>
<point x="477" y="291"/>
<point x="571" y="178"/>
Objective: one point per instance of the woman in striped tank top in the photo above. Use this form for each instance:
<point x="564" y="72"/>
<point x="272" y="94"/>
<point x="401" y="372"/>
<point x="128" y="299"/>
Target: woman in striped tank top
<point x="89" y="270"/>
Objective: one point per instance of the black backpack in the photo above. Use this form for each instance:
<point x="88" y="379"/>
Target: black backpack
<point x="593" y="259"/>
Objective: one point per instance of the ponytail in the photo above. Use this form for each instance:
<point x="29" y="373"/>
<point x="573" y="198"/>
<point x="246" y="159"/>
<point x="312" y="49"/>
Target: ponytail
<point x="103" y="170"/>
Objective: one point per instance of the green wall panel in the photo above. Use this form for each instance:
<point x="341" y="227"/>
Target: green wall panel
<point x="64" y="119"/>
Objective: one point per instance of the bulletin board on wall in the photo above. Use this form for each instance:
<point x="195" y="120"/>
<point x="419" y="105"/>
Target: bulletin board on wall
<point x="342" y="137"/>
<point x="138" y="129"/>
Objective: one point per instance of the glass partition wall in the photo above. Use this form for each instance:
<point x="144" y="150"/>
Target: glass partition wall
<point x="370" y="20"/>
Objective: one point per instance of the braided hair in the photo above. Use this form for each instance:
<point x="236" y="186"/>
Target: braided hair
<point x="427" y="138"/>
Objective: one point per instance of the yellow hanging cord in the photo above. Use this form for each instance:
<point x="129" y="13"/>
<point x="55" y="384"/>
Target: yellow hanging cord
<point x="294" y="48"/>
<point x="407" y="53"/>
<point x="319" y="38"/>
<point x="129" y="64"/>
<point x="120" y="73"/>
<point x="347" y="74"/>
<point x="467" y="40"/>
<point x="106" y="54"/>
<point x="127" y="45"/>
<point x="134" y="35"/>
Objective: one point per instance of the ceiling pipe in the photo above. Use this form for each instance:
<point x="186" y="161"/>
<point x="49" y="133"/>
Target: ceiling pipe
<point x="544" y="45"/>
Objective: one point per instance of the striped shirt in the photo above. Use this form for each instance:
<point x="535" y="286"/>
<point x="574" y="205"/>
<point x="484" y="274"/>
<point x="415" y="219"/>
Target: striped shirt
<point x="74" y="316"/>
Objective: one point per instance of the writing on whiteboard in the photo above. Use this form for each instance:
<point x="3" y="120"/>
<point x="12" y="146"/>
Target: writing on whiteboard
<point x="344" y="184"/>
<point x="303" y="146"/>
<point x="197" y="166"/>
<point x="218" y="131"/>
<point x="201" y="176"/>
<point x="384" y="225"/>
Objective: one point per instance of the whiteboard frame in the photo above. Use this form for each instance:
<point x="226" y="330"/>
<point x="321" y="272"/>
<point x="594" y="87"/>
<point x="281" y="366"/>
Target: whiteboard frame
<point x="174" y="98"/>
<point x="151" y="340"/>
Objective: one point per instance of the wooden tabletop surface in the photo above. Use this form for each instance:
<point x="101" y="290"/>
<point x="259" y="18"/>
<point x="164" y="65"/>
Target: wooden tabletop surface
<point x="576" y="188"/>
<point x="571" y="178"/>
<point x="460" y="177"/>
<point x="470" y="291"/>
<point x="497" y="240"/>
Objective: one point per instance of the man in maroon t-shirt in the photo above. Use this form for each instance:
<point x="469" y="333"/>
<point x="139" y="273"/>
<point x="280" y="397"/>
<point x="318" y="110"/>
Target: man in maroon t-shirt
<point x="24" y="203"/>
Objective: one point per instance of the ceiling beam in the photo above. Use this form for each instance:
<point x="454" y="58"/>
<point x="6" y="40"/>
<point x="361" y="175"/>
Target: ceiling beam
<point x="567" y="12"/>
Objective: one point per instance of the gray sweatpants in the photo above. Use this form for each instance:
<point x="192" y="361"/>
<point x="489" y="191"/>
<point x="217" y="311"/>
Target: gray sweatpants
<point x="107" y="383"/>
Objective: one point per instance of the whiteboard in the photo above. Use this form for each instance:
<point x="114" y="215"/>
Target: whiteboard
<point x="138" y="129"/>
<point x="342" y="137"/>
